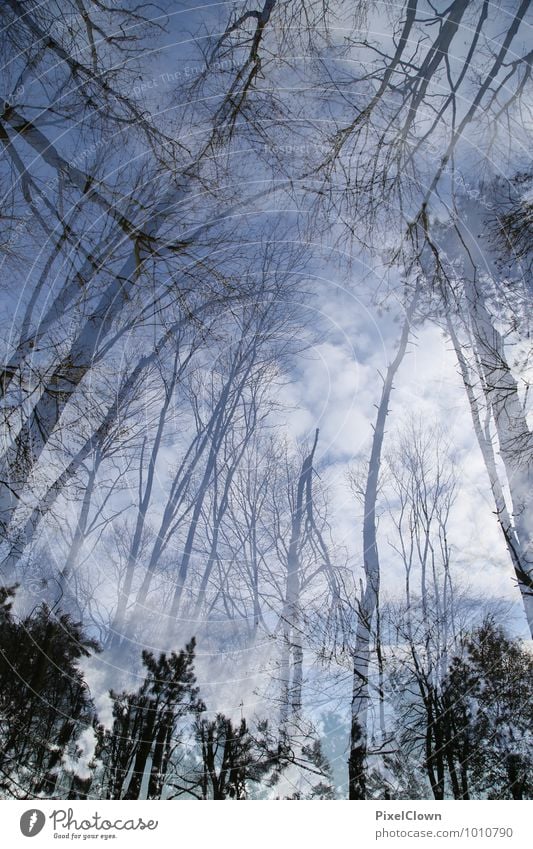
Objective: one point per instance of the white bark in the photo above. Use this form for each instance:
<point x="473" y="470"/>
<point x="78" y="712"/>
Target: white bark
<point x="291" y="647"/>
<point x="368" y="604"/>
<point x="484" y="440"/>
<point x="466" y="243"/>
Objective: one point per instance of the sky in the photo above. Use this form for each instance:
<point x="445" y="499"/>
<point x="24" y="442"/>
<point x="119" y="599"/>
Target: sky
<point x="349" y="316"/>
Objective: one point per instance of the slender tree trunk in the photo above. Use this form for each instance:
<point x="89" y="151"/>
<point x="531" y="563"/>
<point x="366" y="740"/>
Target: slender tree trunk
<point x="514" y="437"/>
<point x="369" y="601"/>
<point x="219" y="510"/>
<point x="500" y="389"/>
<point x="79" y="533"/>
<point x="145" y="496"/>
<point x="144" y="748"/>
<point x="291" y="649"/>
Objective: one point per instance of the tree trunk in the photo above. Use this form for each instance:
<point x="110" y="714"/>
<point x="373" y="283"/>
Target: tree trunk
<point x="369" y="602"/>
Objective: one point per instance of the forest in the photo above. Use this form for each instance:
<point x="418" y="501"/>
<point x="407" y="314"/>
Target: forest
<point x="266" y="458"/>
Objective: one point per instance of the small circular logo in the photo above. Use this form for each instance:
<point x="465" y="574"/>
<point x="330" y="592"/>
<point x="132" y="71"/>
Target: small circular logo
<point x="32" y="822"/>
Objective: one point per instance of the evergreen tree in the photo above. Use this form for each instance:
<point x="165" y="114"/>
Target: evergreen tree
<point x="490" y="715"/>
<point x="44" y="702"/>
<point x="137" y="752"/>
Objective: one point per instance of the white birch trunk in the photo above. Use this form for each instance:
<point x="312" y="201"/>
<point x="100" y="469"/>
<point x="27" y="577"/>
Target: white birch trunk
<point x="369" y="602"/>
<point x="484" y="440"/>
<point x="466" y="242"/>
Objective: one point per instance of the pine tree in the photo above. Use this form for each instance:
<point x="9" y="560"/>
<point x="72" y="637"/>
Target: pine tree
<point x="44" y="701"/>
<point x="490" y="715"/>
<point x="137" y="752"/>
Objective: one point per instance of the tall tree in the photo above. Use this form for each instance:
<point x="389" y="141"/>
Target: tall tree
<point x="137" y="751"/>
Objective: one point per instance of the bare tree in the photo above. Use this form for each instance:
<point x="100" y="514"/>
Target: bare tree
<point x="467" y="272"/>
<point x="368" y="603"/>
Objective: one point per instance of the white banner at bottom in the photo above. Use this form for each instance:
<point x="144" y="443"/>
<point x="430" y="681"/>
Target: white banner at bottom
<point x="275" y="824"/>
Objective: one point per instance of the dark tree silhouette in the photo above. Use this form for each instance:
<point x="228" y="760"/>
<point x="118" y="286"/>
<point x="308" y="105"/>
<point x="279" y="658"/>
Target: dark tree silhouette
<point x="137" y="751"/>
<point x="44" y="701"/>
